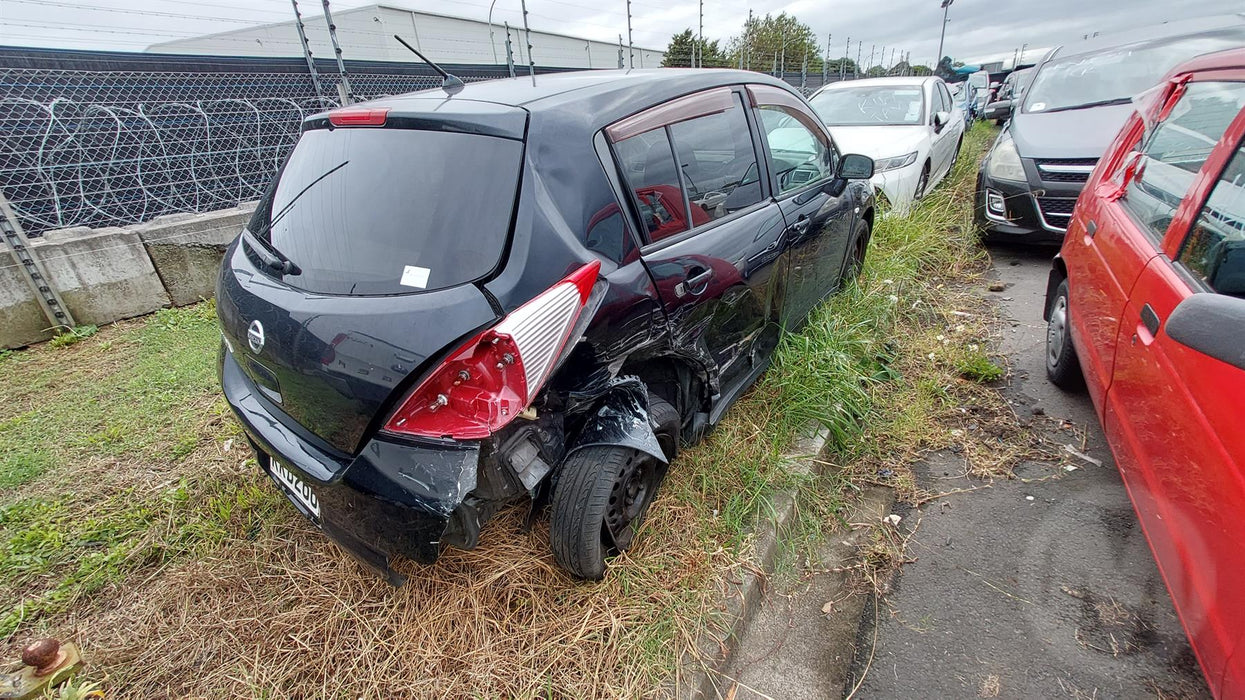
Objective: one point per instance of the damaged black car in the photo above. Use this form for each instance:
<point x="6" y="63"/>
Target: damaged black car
<point x="450" y="302"/>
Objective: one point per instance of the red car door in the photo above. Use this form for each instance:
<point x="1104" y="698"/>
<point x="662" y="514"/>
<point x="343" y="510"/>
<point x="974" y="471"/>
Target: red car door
<point x="1174" y="413"/>
<point x="1108" y="252"/>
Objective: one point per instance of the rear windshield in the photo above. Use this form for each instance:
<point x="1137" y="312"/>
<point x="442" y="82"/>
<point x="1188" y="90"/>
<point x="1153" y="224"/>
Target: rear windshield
<point x="391" y="211"/>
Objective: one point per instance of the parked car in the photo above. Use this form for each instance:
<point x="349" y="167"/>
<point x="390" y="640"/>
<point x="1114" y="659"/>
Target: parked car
<point x="979" y="84"/>
<point x="1010" y="94"/>
<point x="909" y="126"/>
<point x="1146" y="306"/>
<point x="447" y="302"/>
<point x="1079" y="98"/>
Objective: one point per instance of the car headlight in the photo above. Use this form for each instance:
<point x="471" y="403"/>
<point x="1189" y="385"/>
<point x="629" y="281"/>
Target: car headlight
<point x="1003" y="163"/>
<point x="883" y="164"/>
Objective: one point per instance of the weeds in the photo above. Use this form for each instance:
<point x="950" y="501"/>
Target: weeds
<point x="73" y="335"/>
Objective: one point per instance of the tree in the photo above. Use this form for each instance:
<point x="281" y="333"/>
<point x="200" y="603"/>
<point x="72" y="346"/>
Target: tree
<point x="921" y="69"/>
<point x="772" y="43"/>
<point x="684" y="46"/>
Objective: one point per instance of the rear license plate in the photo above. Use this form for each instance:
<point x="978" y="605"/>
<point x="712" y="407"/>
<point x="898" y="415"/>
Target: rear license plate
<point x="294" y="487"/>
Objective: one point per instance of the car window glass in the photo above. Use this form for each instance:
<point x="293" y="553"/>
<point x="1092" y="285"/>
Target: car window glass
<point x="1214" y="250"/>
<point x="718" y="163"/>
<point x="944" y="99"/>
<point x="648" y="165"/>
<point x="1164" y="169"/>
<point x="798" y="155"/>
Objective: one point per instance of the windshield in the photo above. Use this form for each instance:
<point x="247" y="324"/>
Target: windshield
<point x="390" y="211"/>
<point x="1116" y="75"/>
<point x="870" y="106"/>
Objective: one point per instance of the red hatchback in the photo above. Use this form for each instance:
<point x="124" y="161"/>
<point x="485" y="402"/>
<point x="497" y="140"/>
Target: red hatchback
<point x="1146" y="302"/>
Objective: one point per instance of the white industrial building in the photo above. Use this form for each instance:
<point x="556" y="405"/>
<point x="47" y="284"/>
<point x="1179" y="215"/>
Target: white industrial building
<point x="366" y="34"/>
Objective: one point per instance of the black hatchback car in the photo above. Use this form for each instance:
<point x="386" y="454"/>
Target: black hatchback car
<point x="1078" y="100"/>
<point x="525" y="293"/>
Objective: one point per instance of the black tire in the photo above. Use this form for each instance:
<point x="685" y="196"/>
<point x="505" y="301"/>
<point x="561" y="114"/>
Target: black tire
<point x="603" y="494"/>
<point x="1063" y="368"/>
<point x="860" y="248"/>
<point x="923" y="183"/>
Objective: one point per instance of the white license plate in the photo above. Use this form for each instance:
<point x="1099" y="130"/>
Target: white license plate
<point x="295" y="487"/>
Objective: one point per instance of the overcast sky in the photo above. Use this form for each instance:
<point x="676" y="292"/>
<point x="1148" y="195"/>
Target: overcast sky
<point x="977" y="28"/>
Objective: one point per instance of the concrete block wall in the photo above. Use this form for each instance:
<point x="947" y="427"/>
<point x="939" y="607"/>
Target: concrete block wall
<point x="108" y="274"/>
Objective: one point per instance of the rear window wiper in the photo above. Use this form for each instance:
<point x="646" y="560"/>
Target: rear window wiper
<point x="1088" y="105"/>
<point x="280" y="261"/>
<point x="271" y="256"/>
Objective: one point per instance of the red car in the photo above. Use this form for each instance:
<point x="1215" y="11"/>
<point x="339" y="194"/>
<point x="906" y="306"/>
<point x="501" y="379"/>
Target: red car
<point x="1146" y="303"/>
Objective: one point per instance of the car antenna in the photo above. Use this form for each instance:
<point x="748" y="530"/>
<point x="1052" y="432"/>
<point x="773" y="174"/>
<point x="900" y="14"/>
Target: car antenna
<point x="452" y="85"/>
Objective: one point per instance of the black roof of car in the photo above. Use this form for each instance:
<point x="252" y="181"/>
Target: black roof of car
<point x="589" y="99"/>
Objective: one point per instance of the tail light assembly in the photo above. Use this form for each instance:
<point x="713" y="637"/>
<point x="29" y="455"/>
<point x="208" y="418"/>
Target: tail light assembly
<point x="493" y="377"/>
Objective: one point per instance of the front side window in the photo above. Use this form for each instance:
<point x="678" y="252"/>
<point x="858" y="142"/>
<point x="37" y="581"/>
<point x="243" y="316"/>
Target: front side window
<point x="1162" y="171"/>
<point x="1214" y="250"/>
<point x="691" y="172"/>
<point x="799" y="154"/>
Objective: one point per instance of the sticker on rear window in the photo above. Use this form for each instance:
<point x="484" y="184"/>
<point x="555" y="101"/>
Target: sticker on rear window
<point x="413" y="276"/>
<point x="1037" y="106"/>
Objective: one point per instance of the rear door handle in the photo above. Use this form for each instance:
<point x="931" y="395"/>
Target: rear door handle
<point x="695" y="284"/>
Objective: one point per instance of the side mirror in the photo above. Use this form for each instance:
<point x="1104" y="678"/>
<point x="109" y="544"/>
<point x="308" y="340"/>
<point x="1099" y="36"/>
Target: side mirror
<point x="855" y="167"/>
<point x="1212" y="324"/>
<point x="941" y="119"/>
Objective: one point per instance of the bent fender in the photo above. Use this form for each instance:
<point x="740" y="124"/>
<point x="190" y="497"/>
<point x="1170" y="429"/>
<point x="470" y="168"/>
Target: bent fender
<point x="620" y="418"/>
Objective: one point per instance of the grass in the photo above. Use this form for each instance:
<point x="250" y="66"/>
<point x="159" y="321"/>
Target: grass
<point x="133" y="521"/>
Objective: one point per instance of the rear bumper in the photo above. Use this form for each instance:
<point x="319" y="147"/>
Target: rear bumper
<point x="394" y="498"/>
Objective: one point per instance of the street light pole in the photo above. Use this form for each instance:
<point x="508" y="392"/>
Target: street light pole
<point x="946" y="6"/>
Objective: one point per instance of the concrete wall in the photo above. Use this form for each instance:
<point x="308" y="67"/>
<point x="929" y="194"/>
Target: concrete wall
<point x="108" y="274"/>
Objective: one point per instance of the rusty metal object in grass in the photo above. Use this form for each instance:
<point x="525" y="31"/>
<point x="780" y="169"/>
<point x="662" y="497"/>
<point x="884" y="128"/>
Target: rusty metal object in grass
<point x="46" y="664"/>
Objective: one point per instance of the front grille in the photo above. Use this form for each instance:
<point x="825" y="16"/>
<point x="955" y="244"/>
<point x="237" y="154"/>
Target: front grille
<point x="1056" y="212"/>
<point x="1065" y="169"/>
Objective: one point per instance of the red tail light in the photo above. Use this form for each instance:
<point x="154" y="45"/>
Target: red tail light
<point x="492" y="378"/>
<point x="351" y="116"/>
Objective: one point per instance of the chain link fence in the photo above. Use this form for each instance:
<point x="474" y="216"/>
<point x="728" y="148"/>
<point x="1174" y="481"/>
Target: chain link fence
<point x="115" y="147"/>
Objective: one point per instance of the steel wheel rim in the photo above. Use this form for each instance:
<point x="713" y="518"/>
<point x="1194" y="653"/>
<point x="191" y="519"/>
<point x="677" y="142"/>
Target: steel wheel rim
<point x="1056" y="329"/>
<point x="629" y="496"/>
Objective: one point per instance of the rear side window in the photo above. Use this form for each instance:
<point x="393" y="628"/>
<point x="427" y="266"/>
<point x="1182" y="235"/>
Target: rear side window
<point x="390" y="211"/>
<point x="1176" y="150"/>
<point x="693" y="171"/>
<point x="1214" y="250"/>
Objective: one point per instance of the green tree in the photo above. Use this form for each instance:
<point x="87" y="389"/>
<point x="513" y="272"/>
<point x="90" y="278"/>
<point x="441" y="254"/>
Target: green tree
<point x="773" y="43"/>
<point x="684" y="46"/>
<point x="921" y="69"/>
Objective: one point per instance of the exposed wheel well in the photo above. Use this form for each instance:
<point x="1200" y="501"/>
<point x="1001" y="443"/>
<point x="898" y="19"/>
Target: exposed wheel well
<point x="674" y="380"/>
<point x="868" y="217"/>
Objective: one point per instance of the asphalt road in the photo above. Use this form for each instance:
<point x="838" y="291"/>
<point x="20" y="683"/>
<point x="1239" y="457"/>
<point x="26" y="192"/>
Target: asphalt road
<point x="1037" y="589"/>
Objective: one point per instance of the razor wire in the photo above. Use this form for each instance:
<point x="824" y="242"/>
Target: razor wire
<point x="114" y="148"/>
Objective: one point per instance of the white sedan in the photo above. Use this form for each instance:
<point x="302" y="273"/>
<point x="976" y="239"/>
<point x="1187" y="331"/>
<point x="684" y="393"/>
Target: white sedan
<point x="909" y="126"/>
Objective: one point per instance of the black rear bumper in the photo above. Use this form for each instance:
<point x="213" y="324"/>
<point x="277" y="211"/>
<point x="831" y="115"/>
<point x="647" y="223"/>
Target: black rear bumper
<point x="393" y="498"/>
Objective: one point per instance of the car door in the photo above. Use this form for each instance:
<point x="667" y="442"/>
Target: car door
<point x="712" y="234"/>
<point x="943" y="137"/>
<point x="1174" y="410"/>
<point x="1119" y="229"/>
<point x="818" y="211"/>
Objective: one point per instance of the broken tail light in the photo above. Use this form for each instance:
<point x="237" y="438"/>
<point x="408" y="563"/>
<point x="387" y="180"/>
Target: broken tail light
<point x="494" y="376"/>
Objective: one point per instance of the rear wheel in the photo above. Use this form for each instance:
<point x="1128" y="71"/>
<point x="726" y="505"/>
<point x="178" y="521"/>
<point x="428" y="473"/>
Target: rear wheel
<point x="603" y="494"/>
<point x="1062" y="366"/>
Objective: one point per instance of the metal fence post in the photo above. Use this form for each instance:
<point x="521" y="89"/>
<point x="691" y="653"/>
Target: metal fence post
<point x="347" y="93"/>
<point x="19" y="248"/>
<point x="509" y="52"/>
<point x="302" y="38"/>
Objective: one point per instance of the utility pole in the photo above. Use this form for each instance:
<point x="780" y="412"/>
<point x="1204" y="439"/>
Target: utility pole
<point x="630" y="46"/>
<point x="527" y="39"/>
<point x="748" y="41"/>
<point x="700" y="41"/>
<point x="347" y="93"/>
<point x="946" y="6"/>
<point x="311" y="64"/>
